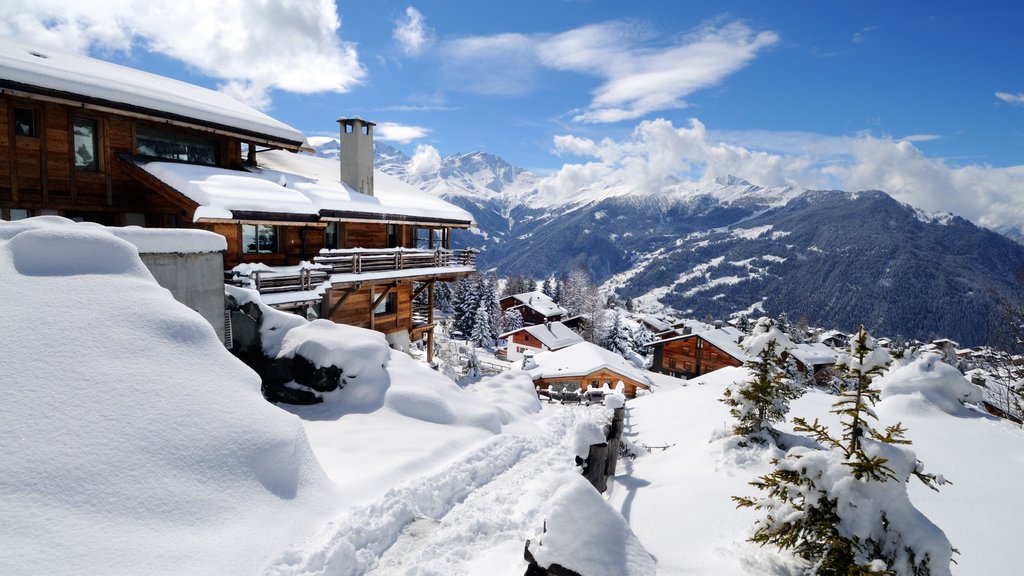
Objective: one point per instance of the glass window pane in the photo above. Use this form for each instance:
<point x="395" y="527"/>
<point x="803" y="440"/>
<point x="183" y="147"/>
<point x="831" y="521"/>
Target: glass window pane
<point x="24" y="122"/>
<point x="249" y="239"/>
<point x="182" y="147"/>
<point x="18" y="214"/>
<point x="331" y="236"/>
<point x="85" y="144"/>
<point x="267" y="238"/>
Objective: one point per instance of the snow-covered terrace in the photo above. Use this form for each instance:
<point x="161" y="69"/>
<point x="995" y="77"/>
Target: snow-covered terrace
<point x="37" y="72"/>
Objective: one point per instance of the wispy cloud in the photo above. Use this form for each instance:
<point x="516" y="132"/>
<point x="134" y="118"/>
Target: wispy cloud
<point x="921" y="138"/>
<point x="411" y="32"/>
<point x="862" y="35"/>
<point x="253" y="47"/>
<point x="640" y="76"/>
<point x="1010" y="98"/>
<point x="658" y="154"/>
<point x="393" y="132"/>
<point x="498" y="65"/>
<point x="640" y="79"/>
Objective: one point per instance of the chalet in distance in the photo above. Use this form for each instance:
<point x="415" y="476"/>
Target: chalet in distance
<point x="584" y="365"/>
<point x="94" y="141"/>
<point x="695" y="354"/>
<point x="535" y="307"/>
<point x="539" y="338"/>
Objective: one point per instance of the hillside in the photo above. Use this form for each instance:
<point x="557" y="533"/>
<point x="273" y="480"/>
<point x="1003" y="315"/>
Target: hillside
<point x="720" y="247"/>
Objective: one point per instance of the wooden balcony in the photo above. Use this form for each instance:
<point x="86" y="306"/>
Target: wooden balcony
<point x="358" y="265"/>
<point x="361" y="261"/>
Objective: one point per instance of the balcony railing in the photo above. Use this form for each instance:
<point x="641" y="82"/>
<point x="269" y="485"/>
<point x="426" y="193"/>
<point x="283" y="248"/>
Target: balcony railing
<point x="349" y="261"/>
<point x="360" y="261"/>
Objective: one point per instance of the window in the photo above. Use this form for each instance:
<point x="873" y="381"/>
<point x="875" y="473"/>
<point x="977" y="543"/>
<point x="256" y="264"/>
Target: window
<point x="392" y="236"/>
<point x="389" y="305"/>
<point x="19" y="214"/>
<point x="423" y="238"/>
<point x="25" y="122"/>
<point x="332" y="236"/>
<point x="259" y="239"/>
<point x="85" y="144"/>
<point x="149" y="142"/>
<point x="135" y="219"/>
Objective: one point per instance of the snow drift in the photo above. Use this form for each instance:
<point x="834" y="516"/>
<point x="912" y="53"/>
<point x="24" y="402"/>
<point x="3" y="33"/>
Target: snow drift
<point x="131" y="441"/>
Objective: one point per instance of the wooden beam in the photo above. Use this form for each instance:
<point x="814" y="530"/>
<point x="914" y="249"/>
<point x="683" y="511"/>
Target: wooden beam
<point x="420" y="290"/>
<point x="387" y="289"/>
<point x="334" y="307"/>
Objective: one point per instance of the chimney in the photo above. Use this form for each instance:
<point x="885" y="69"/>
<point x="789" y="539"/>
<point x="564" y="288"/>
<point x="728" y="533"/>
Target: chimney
<point x="357" y="154"/>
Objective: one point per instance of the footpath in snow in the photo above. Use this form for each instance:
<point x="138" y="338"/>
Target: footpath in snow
<point x="473" y="516"/>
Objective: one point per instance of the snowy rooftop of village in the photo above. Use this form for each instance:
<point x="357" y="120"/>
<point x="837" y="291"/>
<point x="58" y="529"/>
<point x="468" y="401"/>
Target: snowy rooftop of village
<point x="119" y="86"/>
<point x="812" y="353"/>
<point x="301" y="184"/>
<point x="540" y="302"/>
<point x="554" y="335"/>
<point x="580" y="360"/>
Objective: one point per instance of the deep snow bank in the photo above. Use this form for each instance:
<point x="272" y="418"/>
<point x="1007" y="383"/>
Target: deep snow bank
<point x="131" y="441"/>
<point x="677" y="498"/>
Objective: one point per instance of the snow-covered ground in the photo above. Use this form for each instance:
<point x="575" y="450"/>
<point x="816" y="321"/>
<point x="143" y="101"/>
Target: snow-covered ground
<point x="131" y="442"/>
<point x="678" y="497"/>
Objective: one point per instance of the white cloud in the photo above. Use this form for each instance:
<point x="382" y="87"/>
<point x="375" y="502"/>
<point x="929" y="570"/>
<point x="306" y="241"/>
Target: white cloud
<point x="658" y="154"/>
<point x="411" y="32"/>
<point x="638" y="77"/>
<point x="253" y="47"/>
<point x="1009" y="98"/>
<point x="426" y="160"/>
<point x="392" y="132"/>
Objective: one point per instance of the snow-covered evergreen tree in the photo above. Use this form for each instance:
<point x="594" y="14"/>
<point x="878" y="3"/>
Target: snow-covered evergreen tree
<point x="548" y="288"/>
<point x="511" y="320"/>
<point x="618" y="336"/>
<point x="489" y="298"/>
<point x="762" y="400"/>
<point x="465" y="303"/>
<point x="843" y="508"/>
<point x="443" y="297"/>
<point x="483" y="334"/>
<point x="743" y="324"/>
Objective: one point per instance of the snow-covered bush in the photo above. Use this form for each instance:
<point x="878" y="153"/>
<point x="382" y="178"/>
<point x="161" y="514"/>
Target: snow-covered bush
<point x="762" y="400"/>
<point x="843" y="508"/>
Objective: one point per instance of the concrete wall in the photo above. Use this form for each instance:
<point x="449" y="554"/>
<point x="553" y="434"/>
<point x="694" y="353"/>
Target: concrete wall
<point x="195" y="280"/>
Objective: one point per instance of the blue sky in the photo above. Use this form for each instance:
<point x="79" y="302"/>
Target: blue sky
<point x="922" y="99"/>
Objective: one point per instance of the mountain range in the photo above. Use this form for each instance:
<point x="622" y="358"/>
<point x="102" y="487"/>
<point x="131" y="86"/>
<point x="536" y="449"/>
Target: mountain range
<point x="720" y="247"/>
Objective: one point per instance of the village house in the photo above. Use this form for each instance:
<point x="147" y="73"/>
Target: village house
<point x="585" y="365"/>
<point x="539" y="338"/>
<point x="814" y="358"/>
<point x="692" y="355"/>
<point x="94" y="141"/>
<point x="535" y="307"/>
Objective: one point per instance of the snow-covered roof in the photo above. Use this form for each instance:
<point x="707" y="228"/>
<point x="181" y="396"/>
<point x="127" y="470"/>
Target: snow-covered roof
<point x="553" y="335"/>
<point x="725" y="339"/>
<point x="301" y="185"/>
<point x="100" y="84"/>
<point x="581" y="360"/>
<point x="540" y="302"/>
<point x="814" y="353"/>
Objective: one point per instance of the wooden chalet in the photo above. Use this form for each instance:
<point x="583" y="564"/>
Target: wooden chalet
<point x="536" y="307"/>
<point x="814" y="358"/>
<point x="94" y="141"/>
<point x="583" y="365"/>
<point x="539" y="338"/>
<point x="692" y="355"/>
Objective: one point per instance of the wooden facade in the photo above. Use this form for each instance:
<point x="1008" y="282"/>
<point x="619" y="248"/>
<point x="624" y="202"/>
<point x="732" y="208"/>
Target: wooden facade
<point x="67" y="155"/>
<point x="603" y="377"/>
<point x="690" y="356"/>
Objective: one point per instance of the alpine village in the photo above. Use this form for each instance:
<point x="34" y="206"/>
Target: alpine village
<point x="236" y="348"/>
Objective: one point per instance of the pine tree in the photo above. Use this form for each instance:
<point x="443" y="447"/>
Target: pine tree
<point x="443" y="297"/>
<point x="489" y="299"/>
<point x="844" y="508"/>
<point x="743" y="324"/>
<point x="549" y="288"/>
<point x="618" y="336"/>
<point x="482" y="335"/>
<point x="466" y="302"/>
<point x="764" y="399"/>
<point x="511" y="320"/>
